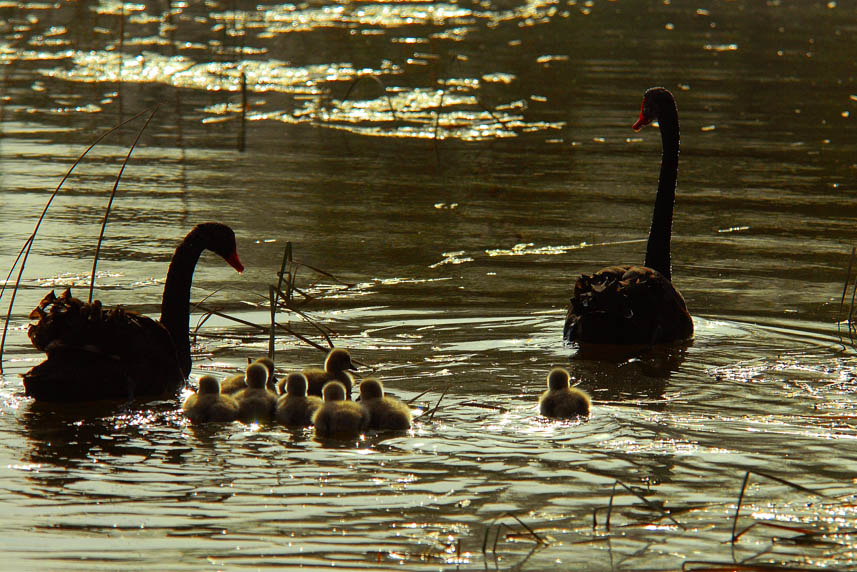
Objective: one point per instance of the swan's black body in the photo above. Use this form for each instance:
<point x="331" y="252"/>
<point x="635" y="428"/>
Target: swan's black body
<point x="99" y="353"/>
<point x="638" y="304"/>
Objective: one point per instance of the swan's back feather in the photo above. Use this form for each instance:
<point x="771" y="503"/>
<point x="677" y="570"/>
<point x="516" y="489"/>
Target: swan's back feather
<point x="99" y="353"/>
<point x="627" y="305"/>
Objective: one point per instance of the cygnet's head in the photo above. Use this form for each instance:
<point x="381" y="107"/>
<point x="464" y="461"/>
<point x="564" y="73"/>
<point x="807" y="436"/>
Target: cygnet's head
<point x="333" y="391"/>
<point x="268" y="363"/>
<point x="256" y="376"/>
<point x="208" y="384"/>
<point x="371" y="388"/>
<point x="558" y="378"/>
<point x="296" y="384"/>
<point x="338" y="360"/>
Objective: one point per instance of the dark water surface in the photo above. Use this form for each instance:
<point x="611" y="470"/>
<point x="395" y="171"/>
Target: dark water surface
<point x="461" y="220"/>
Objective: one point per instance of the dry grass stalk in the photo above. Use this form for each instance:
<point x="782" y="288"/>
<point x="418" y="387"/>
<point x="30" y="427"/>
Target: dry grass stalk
<point x="272" y="336"/>
<point x="437" y="406"/>
<point x="24" y="253"/>
<point x="242" y="131"/>
<point x="285" y="296"/>
<point x="780" y="480"/>
<point x="845" y="293"/>
<point x="656" y="507"/>
<point x="410" y="401"/>
<point x="112" y="196"/>
<point x="851" y="325"/>
<point x="513" y="534"/>
<point x="478" y="405"/>
<point x="263" y="329"/>
<point x="383" y="88"/>
<point x="702" y="566"/>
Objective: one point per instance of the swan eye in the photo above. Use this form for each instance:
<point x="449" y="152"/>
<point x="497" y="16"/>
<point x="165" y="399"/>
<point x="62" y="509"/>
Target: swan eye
<point x="649" y="110"/>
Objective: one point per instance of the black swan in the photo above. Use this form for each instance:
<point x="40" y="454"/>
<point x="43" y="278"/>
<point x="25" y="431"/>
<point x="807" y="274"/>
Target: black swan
<point x="338" y="418"/>
<point x="208" y="404"/>
<point x="638" y="304"/>
<point x="384" y="412"/>
<point x="335" y="365"/>
<point x="295" y="407"/>
<point x="561" y="401"/>
<point x="99" y="353"/>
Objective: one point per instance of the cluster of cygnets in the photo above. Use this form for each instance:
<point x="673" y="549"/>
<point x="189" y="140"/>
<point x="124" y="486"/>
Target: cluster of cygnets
<point x="256" y="396"/>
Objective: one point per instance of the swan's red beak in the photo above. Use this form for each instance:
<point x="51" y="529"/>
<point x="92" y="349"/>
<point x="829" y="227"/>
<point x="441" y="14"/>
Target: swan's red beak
<point x="641" y="122"/>
<point x="234" y="261"/>
<point x="644" y="118"/>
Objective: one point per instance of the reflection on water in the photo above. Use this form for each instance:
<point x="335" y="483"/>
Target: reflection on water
<point x="181" y="72"/>
<point x="455" y="166"/>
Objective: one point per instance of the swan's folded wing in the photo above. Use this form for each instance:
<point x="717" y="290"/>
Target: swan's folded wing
<point x="627" y="305"/>
<point x="94" y="353"/>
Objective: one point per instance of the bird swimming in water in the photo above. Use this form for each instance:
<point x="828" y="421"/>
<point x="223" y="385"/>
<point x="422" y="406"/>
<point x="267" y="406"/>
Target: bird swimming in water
<point x="295" y="407"/>
<point x="338" y="418"/>
<point x="336" y="364"/>
<point x="384" y="412"/>
<point x="561" y="401"/>
<point x="256" y="403"/>
<point x="633" y="304"/>
<point x="208" y="404"/>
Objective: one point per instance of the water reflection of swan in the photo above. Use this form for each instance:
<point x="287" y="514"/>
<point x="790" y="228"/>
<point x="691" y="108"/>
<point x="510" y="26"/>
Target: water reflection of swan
<point x="624" y="373"/>
<point x="66" y="434"/>
<point x="98" y="353"/>
<point x="638" y="304"/>
<point x="561" y="401"/>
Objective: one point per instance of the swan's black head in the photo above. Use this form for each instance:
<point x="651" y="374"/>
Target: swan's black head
<point x="655" y="101"/>
<point x="558" y="378"/>
<point x="219" y="239"/>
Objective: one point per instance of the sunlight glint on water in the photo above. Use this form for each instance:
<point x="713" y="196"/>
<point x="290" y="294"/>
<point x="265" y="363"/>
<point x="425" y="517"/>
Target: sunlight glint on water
<point x="453" y="167"/>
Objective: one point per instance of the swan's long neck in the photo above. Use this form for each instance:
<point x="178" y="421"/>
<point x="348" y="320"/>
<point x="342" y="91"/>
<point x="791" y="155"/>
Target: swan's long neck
<point x="658" y="248"/>
<point x="175" y="306"/>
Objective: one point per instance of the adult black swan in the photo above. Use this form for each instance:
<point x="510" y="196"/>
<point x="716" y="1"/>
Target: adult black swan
<point x="638" y="304"/>
<point x="111" y="353"/>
